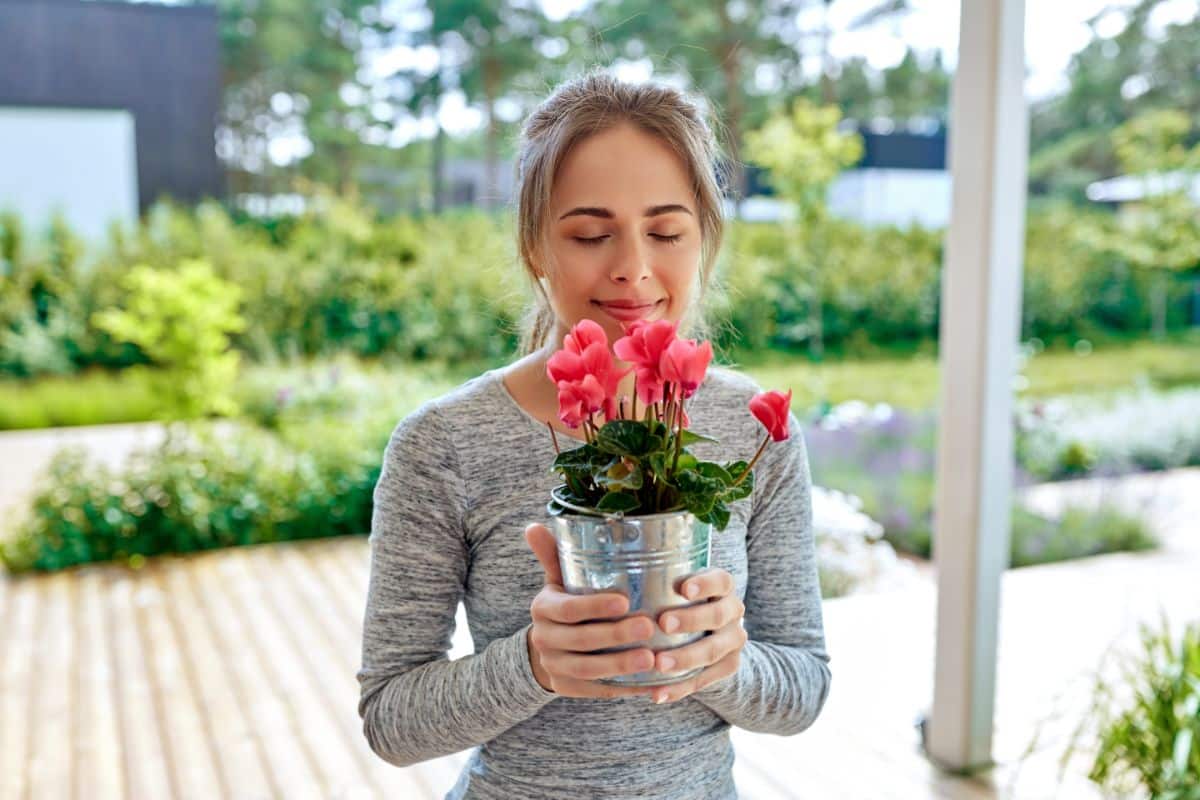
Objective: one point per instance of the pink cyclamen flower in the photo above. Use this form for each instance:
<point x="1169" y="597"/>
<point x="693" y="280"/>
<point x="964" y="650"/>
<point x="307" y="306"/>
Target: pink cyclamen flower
<point x="598" y="362"/>
<point x="684" y="363"/>
<point x="585" y="333"/>
<point x="565" y="365"/>
<point x="643" y="346"/>
<point x="585" y="356"/>
<point x="579" y="400"/>
<point x="772" y="409"/>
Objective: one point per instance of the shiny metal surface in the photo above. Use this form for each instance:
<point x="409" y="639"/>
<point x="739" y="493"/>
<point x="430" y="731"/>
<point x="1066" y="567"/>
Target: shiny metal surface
<point x="643" y="557"/>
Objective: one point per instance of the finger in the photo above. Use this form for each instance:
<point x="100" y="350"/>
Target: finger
<point x="541" y="542"/>
<point x="590" y="667"/>
<point x="590" y="636"/>
<point x="711" y="582"/>
<point x="571" y="687"/>
<point x="702" y="653"/>
<point x="719" y="671"/>
<point x="704" y="617"/>
<point x="555" y="605"/>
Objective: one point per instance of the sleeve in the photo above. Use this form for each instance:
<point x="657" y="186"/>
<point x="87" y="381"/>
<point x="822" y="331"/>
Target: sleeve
<point x="783" y="677"/>
<point x="416" y="704"/>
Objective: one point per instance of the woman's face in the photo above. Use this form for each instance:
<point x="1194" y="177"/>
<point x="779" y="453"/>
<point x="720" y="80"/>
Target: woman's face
<point x="623" y="227"/>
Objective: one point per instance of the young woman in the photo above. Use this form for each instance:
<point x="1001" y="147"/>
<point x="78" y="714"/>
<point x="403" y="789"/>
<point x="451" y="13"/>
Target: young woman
<point x="619" y="218"/>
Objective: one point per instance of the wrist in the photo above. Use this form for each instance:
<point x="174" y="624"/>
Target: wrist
<point x="535" y="664"/>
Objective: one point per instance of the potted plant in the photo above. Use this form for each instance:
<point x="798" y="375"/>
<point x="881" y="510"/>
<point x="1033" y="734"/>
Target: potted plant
<point x="636" y="510"/>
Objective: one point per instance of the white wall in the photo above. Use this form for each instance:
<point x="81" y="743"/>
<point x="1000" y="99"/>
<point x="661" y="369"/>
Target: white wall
<point x="83" y="161"/>
<point x="892" y="196"/>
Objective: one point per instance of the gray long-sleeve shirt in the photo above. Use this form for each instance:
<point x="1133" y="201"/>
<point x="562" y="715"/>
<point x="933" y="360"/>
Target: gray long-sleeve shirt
<point x="462" y="476"/>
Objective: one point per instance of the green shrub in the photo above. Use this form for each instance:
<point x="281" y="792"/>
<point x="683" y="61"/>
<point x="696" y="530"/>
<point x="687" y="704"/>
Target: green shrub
<point x="199" y="490"/>
<point x="181" y="318"/>
<point x="93" y="397"/>
<point x="1077" y="533"/>
<point x="1147" y="721"/>
<point x="311" y="473"/>
<point x="340" y="278"/>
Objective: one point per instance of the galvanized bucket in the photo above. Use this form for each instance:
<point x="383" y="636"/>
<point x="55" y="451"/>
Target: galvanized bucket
<point x="642" y="557"/>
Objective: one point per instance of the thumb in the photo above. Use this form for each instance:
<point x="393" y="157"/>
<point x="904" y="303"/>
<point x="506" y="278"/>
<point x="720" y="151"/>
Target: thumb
<point x="541" y="541"/>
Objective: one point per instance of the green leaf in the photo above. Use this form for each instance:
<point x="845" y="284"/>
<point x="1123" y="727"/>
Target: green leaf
<point x="661" y="462"/>
<point x="628" y="438"/>
<point x="743" y="489"/>
<point x="690" y="438"/>
<point x="711" y="469"/>
<point x="691" y="482"/>
<point x="717" y="516"/>
<point x="699" y="504"/>
<point x="617" y="501"/>
<point x="578" y="458"/>
<point x="623" y="473"/>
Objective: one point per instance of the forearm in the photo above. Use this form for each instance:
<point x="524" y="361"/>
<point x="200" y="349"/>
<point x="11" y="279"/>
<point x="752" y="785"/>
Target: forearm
<point x="777" y="689"/>
<point x="442" y="707"/>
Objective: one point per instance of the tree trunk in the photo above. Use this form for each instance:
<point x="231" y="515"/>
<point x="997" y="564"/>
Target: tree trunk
<point x="731" y="69"/>
<point x="491" y="81"/>
<point x="439" y="165"/>
<point x="1159" y="285"/>
<point x="828" y="94"/>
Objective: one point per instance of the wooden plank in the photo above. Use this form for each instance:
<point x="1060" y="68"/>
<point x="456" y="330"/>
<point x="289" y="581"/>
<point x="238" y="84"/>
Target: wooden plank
<point x="336" y="560"/>
<point x="99" y="754"/>
<point x="302" y="682"/>
<point x="339" y="651"/>
<point x="141" y="732"/>
<point x="239" y="757"/>
<point x="290" y="769"/>
<point x="17" y="683"/>
<point x="50" y="723"/>
<point x="187" y="743"/>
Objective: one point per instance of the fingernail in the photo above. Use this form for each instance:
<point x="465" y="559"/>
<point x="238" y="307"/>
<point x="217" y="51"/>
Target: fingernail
<point x="667" y="662"/>
<point x="670" y="624"/>
<point x="690" y="590"/>
<point x="661" y="697"/>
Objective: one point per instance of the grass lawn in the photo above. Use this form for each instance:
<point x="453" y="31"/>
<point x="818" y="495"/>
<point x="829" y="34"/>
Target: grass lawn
<point x="97" y="397"/>
<point x="912" y="382"/>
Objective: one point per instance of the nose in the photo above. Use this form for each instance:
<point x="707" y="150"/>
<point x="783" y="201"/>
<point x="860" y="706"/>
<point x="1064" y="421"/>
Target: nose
<point x="631" y="263"/>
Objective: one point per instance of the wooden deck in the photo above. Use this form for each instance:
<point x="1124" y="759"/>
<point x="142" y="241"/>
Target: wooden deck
<point x="231" y="674"/>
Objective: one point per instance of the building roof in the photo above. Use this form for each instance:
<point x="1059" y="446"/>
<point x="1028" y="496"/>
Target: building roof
<point x="1124" y="188"/>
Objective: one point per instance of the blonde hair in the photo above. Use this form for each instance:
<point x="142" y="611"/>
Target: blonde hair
<point x="586" y="105"/>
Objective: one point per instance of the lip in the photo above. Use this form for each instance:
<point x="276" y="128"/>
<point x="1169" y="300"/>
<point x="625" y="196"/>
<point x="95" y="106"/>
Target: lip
<point x="626" y="314"/>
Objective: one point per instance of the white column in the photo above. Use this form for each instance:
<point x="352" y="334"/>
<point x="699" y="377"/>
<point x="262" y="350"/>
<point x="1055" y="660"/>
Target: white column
<point x="981" y="300"/>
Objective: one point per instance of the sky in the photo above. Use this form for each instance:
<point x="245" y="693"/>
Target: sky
<point x="1054" y="31"/>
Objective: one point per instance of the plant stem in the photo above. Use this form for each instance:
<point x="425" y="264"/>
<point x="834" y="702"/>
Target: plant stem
<point x="678" y="438"/>
<point x="753" y="461"/>
<point x="553" y="438"/>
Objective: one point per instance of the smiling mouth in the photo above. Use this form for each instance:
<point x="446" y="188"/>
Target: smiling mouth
<point x="626" y="308"/>
<point x="628" y="316"/>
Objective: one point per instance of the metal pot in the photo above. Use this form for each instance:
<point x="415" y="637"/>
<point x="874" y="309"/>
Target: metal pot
<point x="643" y="557"/>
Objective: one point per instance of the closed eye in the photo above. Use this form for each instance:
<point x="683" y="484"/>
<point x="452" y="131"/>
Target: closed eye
<point x="660" y="237"/>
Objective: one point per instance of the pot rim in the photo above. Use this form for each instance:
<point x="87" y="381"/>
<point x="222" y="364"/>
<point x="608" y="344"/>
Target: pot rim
<point x="617" y="515"/>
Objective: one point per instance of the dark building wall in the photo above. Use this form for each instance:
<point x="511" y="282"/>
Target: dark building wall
<point x="162" y="63"/>
<point x="900" y="150"/>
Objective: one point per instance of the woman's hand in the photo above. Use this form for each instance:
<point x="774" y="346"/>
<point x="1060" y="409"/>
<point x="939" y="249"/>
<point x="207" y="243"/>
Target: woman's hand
<point x="562" y="634"/>
<point x="720" y="652"/>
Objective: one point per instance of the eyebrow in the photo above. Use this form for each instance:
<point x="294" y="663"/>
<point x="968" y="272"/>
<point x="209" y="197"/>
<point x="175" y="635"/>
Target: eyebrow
<point x="604" y="213"/>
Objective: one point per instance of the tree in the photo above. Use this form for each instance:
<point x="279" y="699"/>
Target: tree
<point x="1111" y="80"/>
<point x="1161" y="233"/>
<point x="489" y="45"/>
<point x="289" y="67"/>
<point x="805" y="151"/>
<point x="717" y="45"/>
